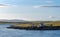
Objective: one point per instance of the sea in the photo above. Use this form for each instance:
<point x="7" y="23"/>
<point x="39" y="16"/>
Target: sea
<point x="5" y="32"/>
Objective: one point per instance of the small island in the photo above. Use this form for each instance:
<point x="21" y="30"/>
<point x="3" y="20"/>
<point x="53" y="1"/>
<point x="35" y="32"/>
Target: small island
<point x="37" y="25"/>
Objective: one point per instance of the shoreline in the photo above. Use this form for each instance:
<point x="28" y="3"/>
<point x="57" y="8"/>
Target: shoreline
<point x="37" y="28"/>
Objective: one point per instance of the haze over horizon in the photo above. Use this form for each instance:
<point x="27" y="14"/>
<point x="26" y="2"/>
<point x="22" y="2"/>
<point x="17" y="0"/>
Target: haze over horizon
<point x="31" y="10"/>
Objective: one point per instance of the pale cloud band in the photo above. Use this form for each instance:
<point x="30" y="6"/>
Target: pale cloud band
<point x="7" y="5"/>
<point x="39" y="6"/>
<point x="3" y="5"/>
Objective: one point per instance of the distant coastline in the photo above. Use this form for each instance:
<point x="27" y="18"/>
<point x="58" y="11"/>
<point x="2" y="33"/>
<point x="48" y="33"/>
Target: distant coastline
<point x="45" y="25"/>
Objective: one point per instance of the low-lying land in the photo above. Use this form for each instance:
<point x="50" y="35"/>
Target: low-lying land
<point x="45" y="25"/>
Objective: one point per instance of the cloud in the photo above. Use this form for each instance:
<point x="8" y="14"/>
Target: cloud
<point x="7" y="5"/>
<point x="45" y="6"/>
<point x="51" y="6"/>
<point x="37" y="6"/>
<point x="2" y="5"/>
<point x="50" y="16"/>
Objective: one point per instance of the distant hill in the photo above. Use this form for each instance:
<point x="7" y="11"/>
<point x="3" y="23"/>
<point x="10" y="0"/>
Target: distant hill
<point x="17" y="20"/>
<point x="14" y="20"/>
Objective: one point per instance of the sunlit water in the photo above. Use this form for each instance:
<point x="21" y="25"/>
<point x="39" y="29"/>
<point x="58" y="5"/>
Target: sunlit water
<point x="4" y="32"/>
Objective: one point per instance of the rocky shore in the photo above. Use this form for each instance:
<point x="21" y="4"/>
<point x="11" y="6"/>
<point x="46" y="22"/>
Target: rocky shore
<point x="37" y="28"/>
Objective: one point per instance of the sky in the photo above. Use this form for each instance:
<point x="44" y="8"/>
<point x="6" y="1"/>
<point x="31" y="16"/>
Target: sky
<point x="30" y="10"/>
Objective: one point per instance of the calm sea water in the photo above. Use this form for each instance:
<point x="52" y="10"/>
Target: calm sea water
<point x="4" y="32"/>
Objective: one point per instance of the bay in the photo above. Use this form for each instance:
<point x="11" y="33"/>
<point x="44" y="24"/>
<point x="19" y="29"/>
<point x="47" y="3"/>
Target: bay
<point x="5" y="32"/>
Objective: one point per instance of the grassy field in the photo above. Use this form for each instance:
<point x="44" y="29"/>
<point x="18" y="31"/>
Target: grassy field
<point x="55" y="23"/>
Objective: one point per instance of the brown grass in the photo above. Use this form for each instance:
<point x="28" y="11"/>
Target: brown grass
<point x="37" y="24"/>
<point x="53" y="23"/>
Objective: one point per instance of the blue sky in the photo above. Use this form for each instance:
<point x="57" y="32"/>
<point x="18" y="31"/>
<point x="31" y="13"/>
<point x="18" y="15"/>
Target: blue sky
<point x="31" y="10"/>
